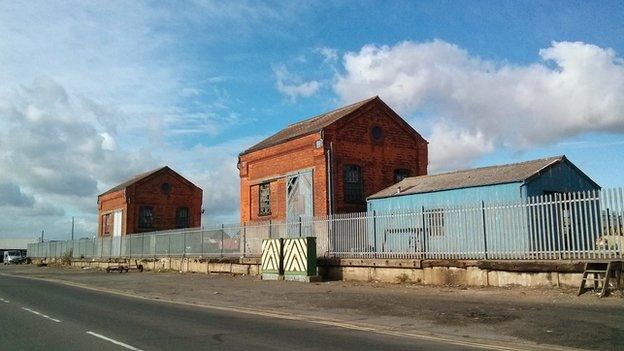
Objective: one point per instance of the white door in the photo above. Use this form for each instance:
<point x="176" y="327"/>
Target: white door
<point x="117" y="217"/>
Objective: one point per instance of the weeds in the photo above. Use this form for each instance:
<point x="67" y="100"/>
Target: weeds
<point x="66" y="259"/>
<point x="402" y="278"/>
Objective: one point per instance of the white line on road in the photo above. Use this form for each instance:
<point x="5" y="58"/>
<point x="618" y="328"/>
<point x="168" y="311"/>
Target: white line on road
<point x="129" y="347"/>
<point x="41" y="315"/>
<point x="3" y="300"/>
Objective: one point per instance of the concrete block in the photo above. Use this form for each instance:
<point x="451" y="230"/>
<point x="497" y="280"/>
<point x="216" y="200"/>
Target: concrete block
<point x="240" y="269"/>
<point x="570" y="279"/>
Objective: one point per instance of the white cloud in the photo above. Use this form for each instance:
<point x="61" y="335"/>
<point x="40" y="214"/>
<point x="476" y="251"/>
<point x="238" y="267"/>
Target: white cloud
<point x="292" y="86"/>
<point x="93" y="93"/>
<point x="449" y="148"/>
<point x="330" y="55"/>
<point x="477" y="105"/>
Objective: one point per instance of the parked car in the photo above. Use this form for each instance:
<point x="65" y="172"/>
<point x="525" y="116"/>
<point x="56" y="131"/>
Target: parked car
<point x="15" y="257"/>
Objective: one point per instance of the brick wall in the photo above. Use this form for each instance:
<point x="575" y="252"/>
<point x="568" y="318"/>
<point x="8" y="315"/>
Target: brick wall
<point x="352" y="143"/>
<point x="272" y="165"/>
<point x="148" y="192"/>
<point x="109" y="203"/>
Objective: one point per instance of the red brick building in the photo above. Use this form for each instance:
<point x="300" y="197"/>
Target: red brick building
<point x="329" y="163"/>
<point x="160" y="199"/>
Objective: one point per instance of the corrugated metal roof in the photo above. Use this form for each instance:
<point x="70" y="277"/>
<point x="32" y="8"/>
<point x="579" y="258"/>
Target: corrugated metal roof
<point x="16" y="243"/>
<point x="308" y="126"/>
<point x="132" y="180"/>
<point x="509" y="173"/>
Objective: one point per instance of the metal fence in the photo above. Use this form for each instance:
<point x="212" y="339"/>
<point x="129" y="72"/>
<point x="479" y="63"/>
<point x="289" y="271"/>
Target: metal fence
<point x="581" y="225"/>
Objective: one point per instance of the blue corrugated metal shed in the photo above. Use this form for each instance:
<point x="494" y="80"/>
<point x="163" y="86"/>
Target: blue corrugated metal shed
<point x="494" y="184"/>
<point x="432" y="198"/>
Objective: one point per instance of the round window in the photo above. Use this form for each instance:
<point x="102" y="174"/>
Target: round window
<point x="165" y="187"/>
<point x="377" y="133"/>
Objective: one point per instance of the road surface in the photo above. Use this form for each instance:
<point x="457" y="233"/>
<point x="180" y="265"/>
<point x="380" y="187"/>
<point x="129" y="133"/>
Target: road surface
<point x="41" y="315"/>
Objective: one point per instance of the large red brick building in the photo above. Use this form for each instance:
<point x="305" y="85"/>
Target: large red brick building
<point x="329" y="164"/>
<point x="160" y="199"/>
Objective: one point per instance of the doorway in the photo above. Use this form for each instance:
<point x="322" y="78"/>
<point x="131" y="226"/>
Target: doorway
<point x="299" y="204"/>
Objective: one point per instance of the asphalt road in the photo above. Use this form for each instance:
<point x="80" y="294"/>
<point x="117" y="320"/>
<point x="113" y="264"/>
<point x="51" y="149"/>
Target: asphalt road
<point x="40" y="315"/>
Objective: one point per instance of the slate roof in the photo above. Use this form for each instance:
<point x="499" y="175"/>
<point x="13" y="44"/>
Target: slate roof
<point x="132" y="180"/>
<point x="308" y="126"/>
<point x="509" y="173"/>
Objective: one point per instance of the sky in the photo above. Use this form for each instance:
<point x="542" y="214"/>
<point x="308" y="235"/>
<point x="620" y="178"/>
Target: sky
<point x="92" y="93"/>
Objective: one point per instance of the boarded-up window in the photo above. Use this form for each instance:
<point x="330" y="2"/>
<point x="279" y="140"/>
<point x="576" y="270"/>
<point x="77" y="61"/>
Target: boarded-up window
<point x="182" y="217"/>
<point x="400" y="174"/>
<point x="265" y="199"/>
<point x="106" y="223"/>
<point x="353" y="190"/>
<point x="146" y="217"/>
<point x="435" y="221"/>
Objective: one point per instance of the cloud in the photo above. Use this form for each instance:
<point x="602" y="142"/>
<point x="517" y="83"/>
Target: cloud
<point x="12" y="195"/>
<point x="55" y="155"/>
<point x="292" y="86"/>
<point x="105" y="91"/>
<point x="330" y="55"/>
<point x="474" y="106"/>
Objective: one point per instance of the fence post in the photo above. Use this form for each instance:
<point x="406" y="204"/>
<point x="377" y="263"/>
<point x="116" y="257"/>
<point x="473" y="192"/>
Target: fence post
<point x="485" y="250"/>
<point x="424" y="232"/>
<point x="202" y="241"/>
<point x="222" y="225"/>
<point x="374" y="234"/>
<point x="184" y="248"/>
<point x="244" y="238"/>
<point x="270" y="227"/>
<point x="142" y="245"/>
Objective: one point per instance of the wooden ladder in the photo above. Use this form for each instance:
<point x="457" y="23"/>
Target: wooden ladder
<point x="602" y="272"/>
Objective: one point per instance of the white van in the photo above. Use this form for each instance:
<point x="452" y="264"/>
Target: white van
<point x="13" y="256"/>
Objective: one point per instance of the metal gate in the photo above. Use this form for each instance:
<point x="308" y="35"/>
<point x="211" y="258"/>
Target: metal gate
<point x="299" y="204"/>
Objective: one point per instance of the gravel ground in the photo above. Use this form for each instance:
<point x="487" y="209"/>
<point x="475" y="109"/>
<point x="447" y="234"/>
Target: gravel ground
<point x="549" y="316"/>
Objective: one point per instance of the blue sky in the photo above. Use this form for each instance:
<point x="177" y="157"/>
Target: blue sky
<point x="95" y="92"/>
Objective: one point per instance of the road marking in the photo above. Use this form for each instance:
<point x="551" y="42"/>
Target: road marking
<point x="474" y="342"/>
<point x="3" y="300"/>
<point x="41" y="315"/>
<point x="129" y="347"/>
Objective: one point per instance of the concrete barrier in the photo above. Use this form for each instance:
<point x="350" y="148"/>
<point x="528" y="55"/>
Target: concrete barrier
<point x="438" y="272"/>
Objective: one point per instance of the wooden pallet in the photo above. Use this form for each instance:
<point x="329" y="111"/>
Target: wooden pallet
<point x="602" y="272"/>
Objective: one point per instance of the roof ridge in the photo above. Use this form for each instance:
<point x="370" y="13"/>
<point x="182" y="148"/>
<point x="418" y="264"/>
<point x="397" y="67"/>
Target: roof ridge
<point x="309" y="119"/>
<point x="129" y="181"/>
<point x="558" y="157"/>
<point x="310" y="125"/>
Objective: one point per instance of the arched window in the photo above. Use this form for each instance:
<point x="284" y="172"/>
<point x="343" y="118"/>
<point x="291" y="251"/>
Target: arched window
<point x="182" y="217"/>
<point x="146" y="217"/>
<point x="400" y="174"/>
<point x="353" y="189"/>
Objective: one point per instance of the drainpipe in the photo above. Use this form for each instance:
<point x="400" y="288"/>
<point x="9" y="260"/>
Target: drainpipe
<point x="330" y="178"/>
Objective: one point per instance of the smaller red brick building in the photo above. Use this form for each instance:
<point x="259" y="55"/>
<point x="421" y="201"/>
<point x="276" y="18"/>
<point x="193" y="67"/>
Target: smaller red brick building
<point x="329" y="164"/>
<point x="160" y="199"/>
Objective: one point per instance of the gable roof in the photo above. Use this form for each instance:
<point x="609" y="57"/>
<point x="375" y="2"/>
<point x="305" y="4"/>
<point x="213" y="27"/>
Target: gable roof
<point x="508" y="173"/>
<point x="133" y="180"/>
<point x="310" y="125"/>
